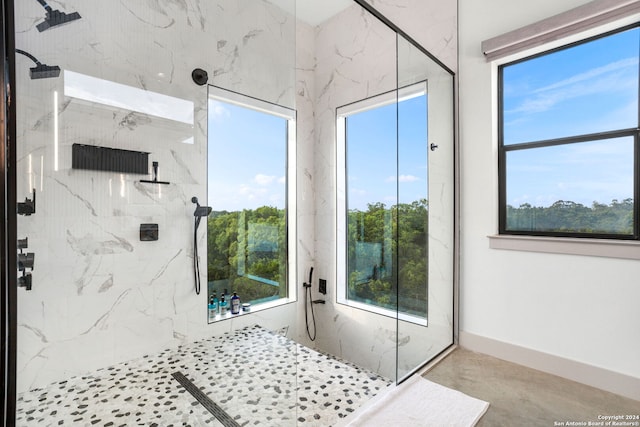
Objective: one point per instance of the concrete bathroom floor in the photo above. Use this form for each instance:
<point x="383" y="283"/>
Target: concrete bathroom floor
<point x="521" y="396"/>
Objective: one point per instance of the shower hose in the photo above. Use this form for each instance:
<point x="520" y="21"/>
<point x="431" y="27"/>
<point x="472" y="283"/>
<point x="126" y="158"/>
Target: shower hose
<point x="196" y="259"/>
<point x="308" y="301"/>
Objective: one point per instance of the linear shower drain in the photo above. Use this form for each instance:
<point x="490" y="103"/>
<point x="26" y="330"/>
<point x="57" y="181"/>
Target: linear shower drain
<point x="211" y="406"/>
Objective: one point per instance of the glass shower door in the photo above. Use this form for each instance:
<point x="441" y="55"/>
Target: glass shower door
<point x="425" y="209"/>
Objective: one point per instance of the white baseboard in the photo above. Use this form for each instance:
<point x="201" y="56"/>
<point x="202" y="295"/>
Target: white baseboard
<point x="594" y="376"/>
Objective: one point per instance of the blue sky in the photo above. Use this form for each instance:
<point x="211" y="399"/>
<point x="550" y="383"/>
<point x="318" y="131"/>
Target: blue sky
<point x="372" y="170"/>
<point x="258" y="139"/>
<point x="587" y="89"/>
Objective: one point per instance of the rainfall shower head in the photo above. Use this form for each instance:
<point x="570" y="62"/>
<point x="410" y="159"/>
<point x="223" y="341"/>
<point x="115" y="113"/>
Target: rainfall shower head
<point x="55" y="18"/>
<point x="43" y="71"/>
<point x="40" y="71"/>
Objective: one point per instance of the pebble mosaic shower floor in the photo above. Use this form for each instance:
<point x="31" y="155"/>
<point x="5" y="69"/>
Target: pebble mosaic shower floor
<point x="259" y="378"/>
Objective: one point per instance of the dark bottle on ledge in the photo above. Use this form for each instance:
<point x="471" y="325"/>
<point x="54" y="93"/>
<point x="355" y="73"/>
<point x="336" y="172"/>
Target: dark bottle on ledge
<point x="235" y="304"/>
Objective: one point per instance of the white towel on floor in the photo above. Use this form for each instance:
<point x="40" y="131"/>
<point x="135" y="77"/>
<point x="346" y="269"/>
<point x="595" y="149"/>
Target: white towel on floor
<point x="419" y="402"/>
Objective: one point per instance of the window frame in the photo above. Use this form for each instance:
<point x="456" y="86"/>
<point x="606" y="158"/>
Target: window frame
<point x="341" y="113"/>
<point x="290" y="115"/>
<point x="503" y="150"/>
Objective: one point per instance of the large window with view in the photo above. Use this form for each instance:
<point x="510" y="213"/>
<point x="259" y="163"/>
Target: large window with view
<point x="568" y="141"/>
<point x="383" y="251"/>
<point x="248" y="240"/>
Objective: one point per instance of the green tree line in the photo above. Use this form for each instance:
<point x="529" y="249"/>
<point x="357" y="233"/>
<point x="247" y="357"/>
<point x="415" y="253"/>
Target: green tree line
<point x="570" y="217"/>
<point x="387" y="256"/>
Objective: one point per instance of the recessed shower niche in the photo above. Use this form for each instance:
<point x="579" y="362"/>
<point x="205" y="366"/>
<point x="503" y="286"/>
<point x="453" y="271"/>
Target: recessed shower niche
<point x="258" y="144"/>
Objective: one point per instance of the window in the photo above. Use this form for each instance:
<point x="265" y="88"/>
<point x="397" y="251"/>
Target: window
<point x="249" y="239"/>
<point x="382" y="204"/>
<point x="568" y="142"/>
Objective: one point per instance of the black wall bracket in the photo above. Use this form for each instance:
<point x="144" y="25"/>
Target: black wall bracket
<point x="155" y="176"/>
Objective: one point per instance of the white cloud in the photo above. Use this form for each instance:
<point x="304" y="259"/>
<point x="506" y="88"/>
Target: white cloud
<point x="408" y="178"/>
<point x="616" y="76"/>
<point x="251" y="193"/>
<point x="590" y="74"/>
<point x="218" y="111"/>
<point x="358" y="192"/>
<point x="264" y="180"/>
<point x="403" y="178"/>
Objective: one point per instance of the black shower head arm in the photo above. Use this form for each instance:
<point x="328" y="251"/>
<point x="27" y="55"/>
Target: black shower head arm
<point x="28" y="55"/>
<point x="40" y="71"/>
<point x="45" y="5"/>
<point x="55" y="18"/>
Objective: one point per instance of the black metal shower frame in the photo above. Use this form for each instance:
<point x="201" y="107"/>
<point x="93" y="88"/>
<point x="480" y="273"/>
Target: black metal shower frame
<point x="8" y="229"/>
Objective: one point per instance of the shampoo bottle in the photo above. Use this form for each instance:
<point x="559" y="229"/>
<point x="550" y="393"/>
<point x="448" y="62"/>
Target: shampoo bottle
<point x="223" y="306"/>
<point x="235" y="304"/>
<point x="216" y="307"/>
<point x="211" y="311"/>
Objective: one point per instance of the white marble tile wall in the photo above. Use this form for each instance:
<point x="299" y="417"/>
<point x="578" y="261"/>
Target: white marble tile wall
<point x="432" y="23"/>
<point x="355" y="59"/>
<point x="101" y="296"/>
<point x="306" y="134"/>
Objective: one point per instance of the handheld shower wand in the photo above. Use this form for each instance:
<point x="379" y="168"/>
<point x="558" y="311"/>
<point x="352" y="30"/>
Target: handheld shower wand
<point x="201" y="211"/>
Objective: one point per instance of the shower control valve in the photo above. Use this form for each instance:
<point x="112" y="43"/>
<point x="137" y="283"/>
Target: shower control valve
<point x="28" y="207"/>
<point x="25" y="281"/>
<point x="23" y="244"/>
<point x="26" y="261"/>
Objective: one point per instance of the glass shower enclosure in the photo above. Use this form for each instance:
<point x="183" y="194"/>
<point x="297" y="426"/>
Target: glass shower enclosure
<point x="134" y="205"/>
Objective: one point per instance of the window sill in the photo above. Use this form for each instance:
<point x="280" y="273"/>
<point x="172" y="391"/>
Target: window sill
<point x="385" y="312"/>
<point x="254" y="309"/>
<point x="623" y="249"/>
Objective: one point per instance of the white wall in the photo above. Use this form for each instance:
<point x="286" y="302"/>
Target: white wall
<point x="572" y="308"/>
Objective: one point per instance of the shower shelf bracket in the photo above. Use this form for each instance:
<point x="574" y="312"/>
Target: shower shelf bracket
<point x="155" y="176"/>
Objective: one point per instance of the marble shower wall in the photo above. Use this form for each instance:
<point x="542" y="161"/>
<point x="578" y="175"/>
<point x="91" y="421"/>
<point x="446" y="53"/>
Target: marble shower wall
<point x="356" y="59"/>
<point x="100" y="295"/>
<point x="431" y="23"/>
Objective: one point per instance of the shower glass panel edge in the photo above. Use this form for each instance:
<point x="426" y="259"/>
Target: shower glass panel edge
<point x="426" y="131"/>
